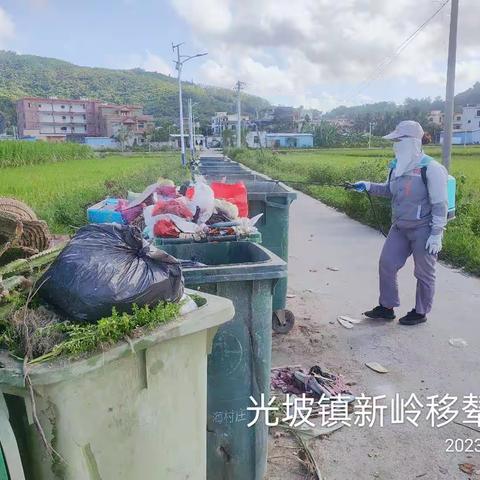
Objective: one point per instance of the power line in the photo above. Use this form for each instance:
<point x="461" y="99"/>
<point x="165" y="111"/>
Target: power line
<point x="389" y="59"/>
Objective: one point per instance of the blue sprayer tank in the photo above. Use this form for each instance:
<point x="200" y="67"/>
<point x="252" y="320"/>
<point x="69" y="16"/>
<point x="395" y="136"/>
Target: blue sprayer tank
<point x="451" y="189"/>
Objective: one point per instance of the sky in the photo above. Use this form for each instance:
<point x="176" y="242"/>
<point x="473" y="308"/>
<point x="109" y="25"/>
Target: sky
<point x="315" y="53"/>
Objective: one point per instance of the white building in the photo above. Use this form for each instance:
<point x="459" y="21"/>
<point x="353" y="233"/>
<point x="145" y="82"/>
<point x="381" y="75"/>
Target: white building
<point x="457" y="122"/>
<point x="464" y="137"/>
<point x="471" y="118"/>
<point x="256" y="139"/>
<point x="223" y="121"/>
<point x="437" y="117"/>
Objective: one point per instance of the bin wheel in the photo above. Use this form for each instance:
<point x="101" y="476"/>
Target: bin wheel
<point x="282" y="321"/>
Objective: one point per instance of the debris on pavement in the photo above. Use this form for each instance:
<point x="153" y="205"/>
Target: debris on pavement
<point x="333" y="269"/>
<point x="376" y="367"/>
<point x="458" y="342"/>
<point x="344" y="323"/>
<point x="469" y="468"/>
<point x="291" y="295"/>
<point x="307" y="458"/>
<point x="351" y="319"/>
<point x="317" y="383"/>
<point x="317" y="431"/>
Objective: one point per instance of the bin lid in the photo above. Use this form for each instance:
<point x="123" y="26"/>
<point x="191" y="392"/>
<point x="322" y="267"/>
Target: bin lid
<point x="259" y="190"/>
<point x="215" y="312"/>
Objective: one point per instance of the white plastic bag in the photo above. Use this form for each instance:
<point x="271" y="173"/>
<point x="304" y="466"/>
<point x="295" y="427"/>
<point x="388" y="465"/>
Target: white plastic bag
<point x="247" y="226"/>
<point x="204" y="199"/>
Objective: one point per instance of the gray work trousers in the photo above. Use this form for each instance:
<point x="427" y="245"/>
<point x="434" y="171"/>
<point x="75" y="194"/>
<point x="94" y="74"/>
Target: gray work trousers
<point x="399" y="245"/>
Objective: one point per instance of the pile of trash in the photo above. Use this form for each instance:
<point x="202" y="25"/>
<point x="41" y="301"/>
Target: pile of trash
<point x="198" y="211"/>
<point x="314" y="382"/>
<point x="107" y="284"/>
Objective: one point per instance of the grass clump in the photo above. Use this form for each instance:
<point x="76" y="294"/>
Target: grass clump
<point x="39" y="335"/>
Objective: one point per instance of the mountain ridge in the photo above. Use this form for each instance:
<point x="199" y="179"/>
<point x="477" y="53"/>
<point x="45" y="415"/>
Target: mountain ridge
<point x="32" y="75"/>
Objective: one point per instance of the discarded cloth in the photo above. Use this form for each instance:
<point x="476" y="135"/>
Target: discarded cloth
<point x="165" y="228"/>
<point x="315" y="383"/>
<point x="175" y="206"/>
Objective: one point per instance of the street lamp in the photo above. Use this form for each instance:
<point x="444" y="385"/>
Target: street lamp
<point x="181" y="59"/>
<point x="191" y="128"/>
<point x="371" y="124"/>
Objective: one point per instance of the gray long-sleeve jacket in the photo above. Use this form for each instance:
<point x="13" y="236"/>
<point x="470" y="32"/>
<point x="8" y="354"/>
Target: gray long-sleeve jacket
<point x="412" y="204"/>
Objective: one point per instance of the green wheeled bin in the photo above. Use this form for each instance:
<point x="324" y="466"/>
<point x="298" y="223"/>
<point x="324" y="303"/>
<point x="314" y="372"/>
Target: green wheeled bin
<point x="240" y="362"/>
<point x="215" y="160"/>
<point x="134" y="411"/>
<point x="222" y="169"/>
<point x="246" y="176"/>
<point x="273" y="199"/>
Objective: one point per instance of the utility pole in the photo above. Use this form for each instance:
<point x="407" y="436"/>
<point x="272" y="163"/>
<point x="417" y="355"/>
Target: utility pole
<point x="450" y="93"/>
<point x="190" y="130"/>
<point x="238" y="87"/>
<point x="181" y="59"/>
<point x="370" y="135"/>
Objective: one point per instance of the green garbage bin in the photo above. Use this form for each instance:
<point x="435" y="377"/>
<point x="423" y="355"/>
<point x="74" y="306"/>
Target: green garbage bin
<point x="256" y="237"/>
<point x="3" y="466"/>
<point x="273" y="199"/>
<point x="236" y="177"/>
<point x="215" y="161"/>
<point x="135" y="411"/>
<point x="239" y="366"/>
<point x="222" y="169"/>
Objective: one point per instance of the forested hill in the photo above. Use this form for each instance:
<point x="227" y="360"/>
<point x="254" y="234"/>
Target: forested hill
<point x="29" y="75"/>
<point x="417" y="106"/>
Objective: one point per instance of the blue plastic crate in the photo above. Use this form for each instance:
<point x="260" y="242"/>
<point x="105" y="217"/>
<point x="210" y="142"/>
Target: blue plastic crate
<point x="104" y="212"/>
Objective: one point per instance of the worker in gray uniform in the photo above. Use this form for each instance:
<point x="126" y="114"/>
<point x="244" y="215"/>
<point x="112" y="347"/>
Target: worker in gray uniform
<point x="417" y="187"/>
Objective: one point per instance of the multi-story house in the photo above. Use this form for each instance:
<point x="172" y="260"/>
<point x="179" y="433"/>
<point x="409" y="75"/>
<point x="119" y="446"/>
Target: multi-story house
<point x="55" y="118"/>
<point x="471" y="117"/>
<point x="115" y="120"/>
<point x="223" y="121"/>
<point x="58" y="119"/>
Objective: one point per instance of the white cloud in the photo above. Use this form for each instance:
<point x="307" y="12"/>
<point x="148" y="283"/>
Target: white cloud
<point x="147" y="61"/>
<point x="154" y="63"/>
<point x="7" y="28"/>
<point x="209" y="16"/>
<point x="301" y="49"/>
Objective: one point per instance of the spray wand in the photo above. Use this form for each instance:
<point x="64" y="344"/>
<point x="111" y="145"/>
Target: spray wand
<point x="346" y="186"/>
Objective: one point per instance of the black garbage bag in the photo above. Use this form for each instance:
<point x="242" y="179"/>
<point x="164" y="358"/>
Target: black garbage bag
<point x="109" y="265"/>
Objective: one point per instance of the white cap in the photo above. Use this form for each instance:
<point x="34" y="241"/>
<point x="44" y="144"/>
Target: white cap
<point x="407" y="128"/>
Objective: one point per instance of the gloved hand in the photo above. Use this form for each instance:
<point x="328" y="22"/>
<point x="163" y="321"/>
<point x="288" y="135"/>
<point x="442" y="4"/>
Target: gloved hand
<point x="434" y="244"/>
<point x="361" y="186"/>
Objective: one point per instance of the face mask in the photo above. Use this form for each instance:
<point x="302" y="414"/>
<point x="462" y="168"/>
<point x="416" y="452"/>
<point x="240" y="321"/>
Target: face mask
<point x="408" y="152"/>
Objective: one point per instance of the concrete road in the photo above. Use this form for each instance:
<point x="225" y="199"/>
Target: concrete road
<point x="420" y="359"/>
